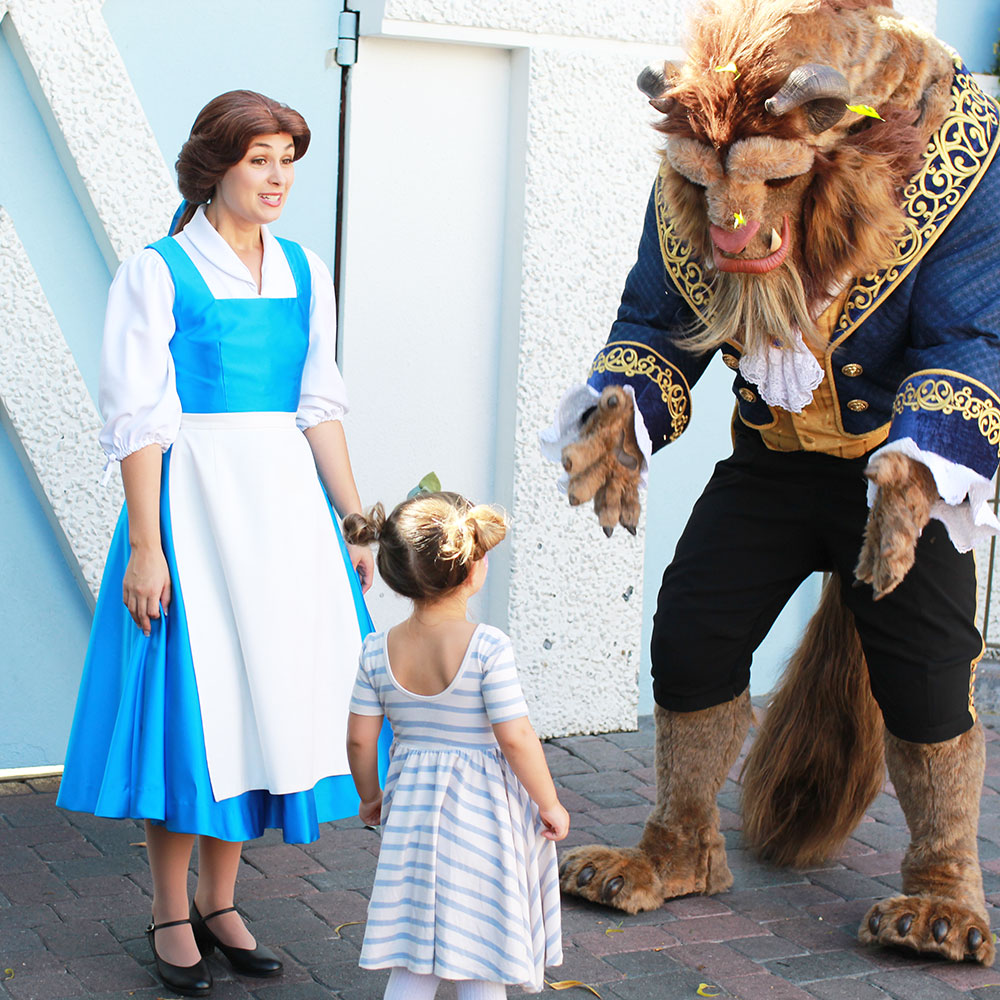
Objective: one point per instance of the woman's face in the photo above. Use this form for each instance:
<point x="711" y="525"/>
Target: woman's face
<point x="254" y="190"/>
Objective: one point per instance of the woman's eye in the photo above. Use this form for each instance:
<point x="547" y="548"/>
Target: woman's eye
<point x="258" y="161"/>
<point x="778" y="182"/>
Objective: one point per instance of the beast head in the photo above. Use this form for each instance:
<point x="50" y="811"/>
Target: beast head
<point x="776" y="173"/>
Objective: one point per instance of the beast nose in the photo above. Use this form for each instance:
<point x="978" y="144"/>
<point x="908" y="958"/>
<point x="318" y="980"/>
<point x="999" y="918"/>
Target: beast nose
<point x="734" y="240"/>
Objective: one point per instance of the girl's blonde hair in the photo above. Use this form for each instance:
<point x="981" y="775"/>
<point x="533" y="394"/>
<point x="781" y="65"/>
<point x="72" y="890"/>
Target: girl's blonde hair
<point x="428" y="544"/>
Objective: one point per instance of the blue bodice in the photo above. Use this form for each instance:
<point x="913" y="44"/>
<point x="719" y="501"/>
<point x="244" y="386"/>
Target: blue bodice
<point x="237" y="355"/>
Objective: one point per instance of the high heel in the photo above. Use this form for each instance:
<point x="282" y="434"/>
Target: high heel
<point x="188" y="980"/>
<point x="259" y="961"/>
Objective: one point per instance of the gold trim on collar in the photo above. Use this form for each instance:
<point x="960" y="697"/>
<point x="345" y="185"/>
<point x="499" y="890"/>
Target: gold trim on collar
<point x="956" y="157"/>
<point x="623" y="358"/>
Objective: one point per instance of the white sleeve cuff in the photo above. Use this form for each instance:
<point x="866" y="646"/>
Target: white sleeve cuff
<point x="565" y="429"/>
<point x="964" y="504"/>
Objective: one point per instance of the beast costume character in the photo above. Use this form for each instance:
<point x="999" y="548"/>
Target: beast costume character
<point x="825" y="217"/>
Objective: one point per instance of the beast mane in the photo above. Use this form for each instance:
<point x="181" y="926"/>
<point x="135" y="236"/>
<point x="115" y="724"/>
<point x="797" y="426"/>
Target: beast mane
<point x="741" y="53"/>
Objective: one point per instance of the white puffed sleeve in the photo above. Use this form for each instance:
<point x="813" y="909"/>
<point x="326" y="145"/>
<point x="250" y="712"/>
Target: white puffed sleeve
<point x="323" y="395"/>
<point x="138" y="393"/>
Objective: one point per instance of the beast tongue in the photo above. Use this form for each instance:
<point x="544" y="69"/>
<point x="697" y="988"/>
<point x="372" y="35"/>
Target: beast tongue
<point x="733" y="240"/>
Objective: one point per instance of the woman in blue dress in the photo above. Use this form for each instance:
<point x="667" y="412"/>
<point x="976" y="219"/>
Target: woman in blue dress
<point x="214" y="697"/>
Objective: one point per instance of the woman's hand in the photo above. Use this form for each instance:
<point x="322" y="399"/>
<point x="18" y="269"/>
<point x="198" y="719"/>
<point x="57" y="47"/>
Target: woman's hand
<point x="146" y="585"/>
<point x="371" y="811"/>
<point x="364" y="565"/>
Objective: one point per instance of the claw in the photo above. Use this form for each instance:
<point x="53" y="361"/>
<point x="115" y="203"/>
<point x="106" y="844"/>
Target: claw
<point x="586" y="874"/>
<point x="612" y="888"/>
<point x="873" y="921"/>
<point x="563" y="865"/>
<point x="975" y="938"/>
<point x="608" y="530"/>
<point x="940" y="929"/>
<point x="904" y="924"/>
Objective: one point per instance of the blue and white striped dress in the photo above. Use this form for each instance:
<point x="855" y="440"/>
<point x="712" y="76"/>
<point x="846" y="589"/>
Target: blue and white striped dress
<point x="466" y="886"/>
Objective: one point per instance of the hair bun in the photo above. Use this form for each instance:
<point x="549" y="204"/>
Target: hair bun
<point x="363" y="529"/>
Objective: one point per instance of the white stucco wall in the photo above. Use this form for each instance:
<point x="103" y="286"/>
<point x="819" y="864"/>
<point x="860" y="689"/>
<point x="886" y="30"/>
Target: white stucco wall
<point x="574" y="602"/>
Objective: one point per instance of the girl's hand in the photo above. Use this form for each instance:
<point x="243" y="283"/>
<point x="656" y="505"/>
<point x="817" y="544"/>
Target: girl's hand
<point x="364" y="564"/>
<point x="371" y="811"/>
<point x="556" y="821"/>
<point x="146" y="585"/>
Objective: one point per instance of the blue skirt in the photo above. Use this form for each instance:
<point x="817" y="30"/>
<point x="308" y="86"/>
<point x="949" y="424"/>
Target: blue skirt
<point x="137" y="748"/>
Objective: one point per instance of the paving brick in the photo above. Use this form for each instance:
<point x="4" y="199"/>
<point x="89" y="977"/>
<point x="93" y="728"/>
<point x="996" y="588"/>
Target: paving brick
<point x="817" y="935"/>
<point x="965" y="976"/>
<point x="832" y="965"/>
<point x="767" y="946"/>
<point x="594" y="781"/>
<point x="718" y="928"/>
<point x="599" y="753"/>
<point x="699" y="906"/>
<point x="110" y="972"/>
<point x="914" y="986"/>
<point x="846" y="989"/>
<point x="876" y="863"/>
<point x="614" y="941"/>
<point x="32" y="887"/>
<point x="849" y="884"/>
<point x="79" y="939"/>
<point x="766" y="987"/>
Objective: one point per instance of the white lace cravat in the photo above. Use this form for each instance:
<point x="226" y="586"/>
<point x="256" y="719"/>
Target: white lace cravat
<point x="784" y="376"/>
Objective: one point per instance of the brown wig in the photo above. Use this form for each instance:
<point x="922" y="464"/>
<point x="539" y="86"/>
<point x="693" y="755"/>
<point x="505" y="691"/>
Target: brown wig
<point x="221" y="136"/>
<point x="428" y="544"/>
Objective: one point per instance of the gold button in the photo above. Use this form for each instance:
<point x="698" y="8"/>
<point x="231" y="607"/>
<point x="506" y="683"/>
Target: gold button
<point x="748" y="395"/>
<point x="858" y="405"/>
<point x="852" y="370"/>
<point x="731" y="361"/>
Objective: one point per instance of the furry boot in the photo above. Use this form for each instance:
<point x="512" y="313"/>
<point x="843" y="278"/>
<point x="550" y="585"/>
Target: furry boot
<point x="942" y="910"/>
<point x="681" y="850"/>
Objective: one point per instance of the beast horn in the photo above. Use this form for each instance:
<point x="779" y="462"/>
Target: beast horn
<point x="654" y="84"/>
<point x="821" y="90"/>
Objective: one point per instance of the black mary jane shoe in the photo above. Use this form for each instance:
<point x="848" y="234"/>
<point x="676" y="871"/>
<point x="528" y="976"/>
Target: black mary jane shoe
<point x="259" y="961"/>
<point x="188" y="980"/>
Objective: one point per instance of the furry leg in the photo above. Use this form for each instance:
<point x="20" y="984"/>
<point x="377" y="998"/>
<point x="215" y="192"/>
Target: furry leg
<point x="942" y="910"/>
<point x="681" y="850"/>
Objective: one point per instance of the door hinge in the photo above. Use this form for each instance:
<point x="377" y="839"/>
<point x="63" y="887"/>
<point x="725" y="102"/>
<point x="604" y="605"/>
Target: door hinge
<point x="347" y="38"/>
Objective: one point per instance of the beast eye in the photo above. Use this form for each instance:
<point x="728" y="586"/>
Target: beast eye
<point x="779" y="182"/>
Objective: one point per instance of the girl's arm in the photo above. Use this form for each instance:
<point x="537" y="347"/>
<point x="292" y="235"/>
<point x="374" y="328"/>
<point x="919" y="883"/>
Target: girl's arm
<point x="362" y="755"/>
<point x="147" y="580"/>
<point x="329" y="448"/>
<point x="524" y="753"/>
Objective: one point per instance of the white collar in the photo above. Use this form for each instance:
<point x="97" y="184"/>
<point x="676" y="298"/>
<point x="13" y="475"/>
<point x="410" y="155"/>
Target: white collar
<point x="206" y="240"/>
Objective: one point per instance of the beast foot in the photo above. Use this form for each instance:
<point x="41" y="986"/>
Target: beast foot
<point x="623" y="878"/>
<point x="931" y="925"/>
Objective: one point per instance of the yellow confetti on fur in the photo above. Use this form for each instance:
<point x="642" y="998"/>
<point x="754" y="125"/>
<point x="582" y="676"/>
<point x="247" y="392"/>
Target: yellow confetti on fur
<point x="568" y="984"/>
<point x="729" y="68"/>
<point x="739" y="220"/>
<point x="865" y="109"/>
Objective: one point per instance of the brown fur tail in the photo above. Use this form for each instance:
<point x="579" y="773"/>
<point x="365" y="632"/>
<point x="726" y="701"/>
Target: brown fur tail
<point x="817" y="761"/>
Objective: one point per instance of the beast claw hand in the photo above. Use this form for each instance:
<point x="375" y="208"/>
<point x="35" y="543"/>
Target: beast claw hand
<point x="604" y="463"/>
<point x="906" y="493"/>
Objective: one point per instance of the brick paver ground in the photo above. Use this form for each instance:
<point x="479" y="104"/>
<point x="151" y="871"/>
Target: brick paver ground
<point x="74" y="902"/>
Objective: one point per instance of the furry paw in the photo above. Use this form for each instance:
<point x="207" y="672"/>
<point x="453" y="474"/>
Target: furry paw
<point x="604" y="464"/>
<point x="624" y="878"/>
<point x="906" y="493"/>
<point x="930" y="925"/>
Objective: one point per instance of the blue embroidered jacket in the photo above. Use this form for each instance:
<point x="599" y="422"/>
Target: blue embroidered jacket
<point x="917" y="344"/>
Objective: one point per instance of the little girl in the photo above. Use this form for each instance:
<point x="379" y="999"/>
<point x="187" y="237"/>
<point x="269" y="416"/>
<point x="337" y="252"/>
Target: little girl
<point x="466" y="887"/>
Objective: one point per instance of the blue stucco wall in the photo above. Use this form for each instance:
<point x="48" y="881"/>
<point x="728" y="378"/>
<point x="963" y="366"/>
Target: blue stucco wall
<point x="972" y="27"/>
